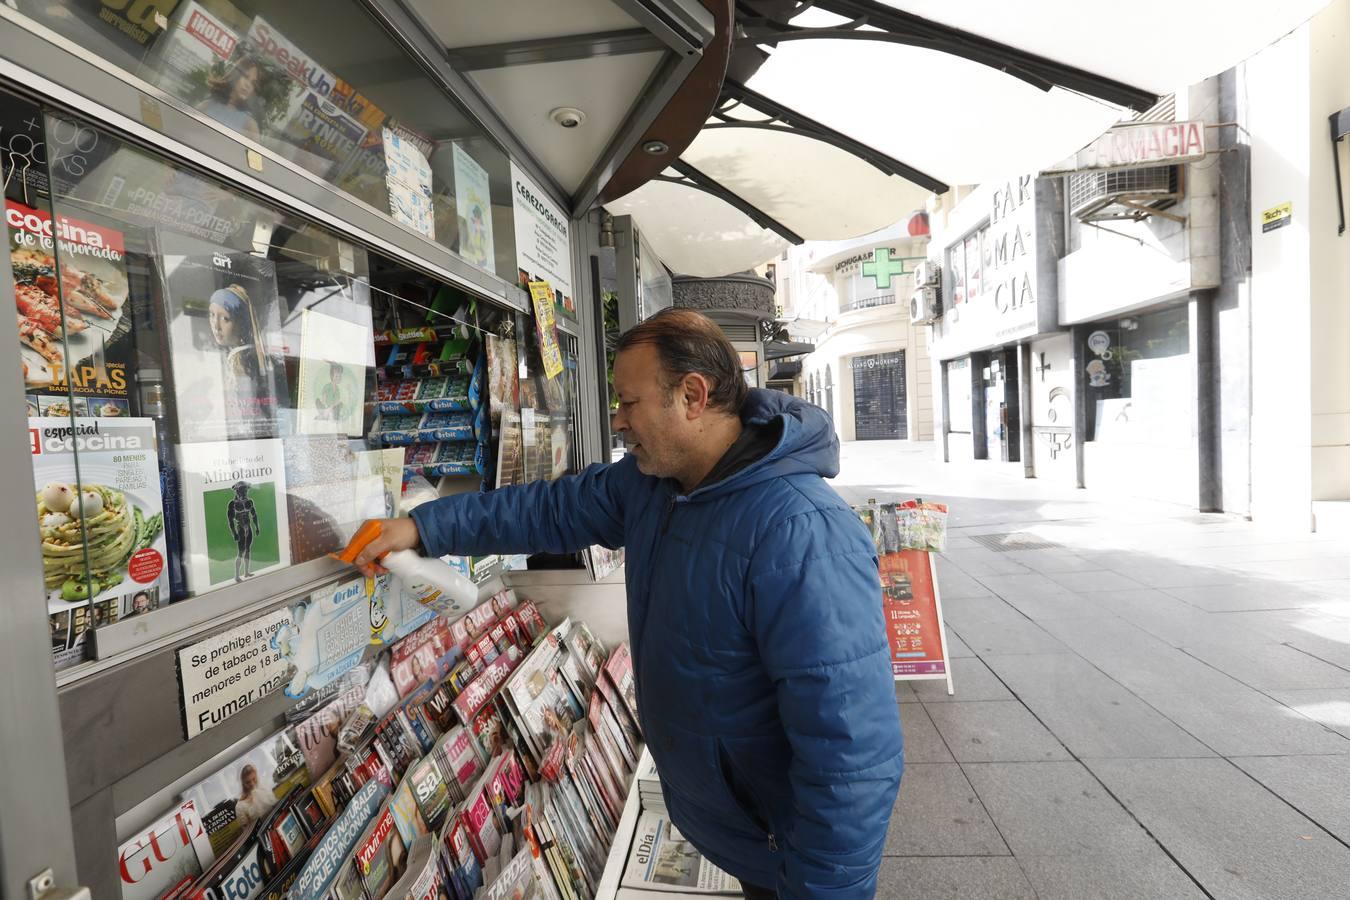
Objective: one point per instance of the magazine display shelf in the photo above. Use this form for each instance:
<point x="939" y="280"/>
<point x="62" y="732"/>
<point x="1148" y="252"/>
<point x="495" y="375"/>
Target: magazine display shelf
<point x="608" y="888"/>
<point x="124" y="769"/>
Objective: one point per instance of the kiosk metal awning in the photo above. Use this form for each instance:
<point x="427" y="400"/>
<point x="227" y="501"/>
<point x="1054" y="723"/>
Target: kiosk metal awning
<point x="839" y="117"/>
<point x="783" y="349"/>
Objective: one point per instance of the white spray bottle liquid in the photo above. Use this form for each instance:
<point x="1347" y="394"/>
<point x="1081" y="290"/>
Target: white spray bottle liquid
<point x="432" y="582"/>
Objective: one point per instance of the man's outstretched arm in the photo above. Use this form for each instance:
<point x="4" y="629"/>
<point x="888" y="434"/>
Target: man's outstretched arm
<point x="560" y="516"/>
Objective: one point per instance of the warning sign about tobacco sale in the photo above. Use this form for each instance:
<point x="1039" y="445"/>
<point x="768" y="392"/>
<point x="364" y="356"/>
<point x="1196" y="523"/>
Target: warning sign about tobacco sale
<point x="913" y="627"/>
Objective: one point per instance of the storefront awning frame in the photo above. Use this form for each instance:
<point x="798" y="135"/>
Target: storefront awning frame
<point x="869" y="20"/>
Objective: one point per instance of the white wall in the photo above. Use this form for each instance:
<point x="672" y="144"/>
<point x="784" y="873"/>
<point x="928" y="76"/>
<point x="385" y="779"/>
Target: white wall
<point x="1329" y="324"/>
<point x="1052" y="408"/>
<point x="1292" y="267"/>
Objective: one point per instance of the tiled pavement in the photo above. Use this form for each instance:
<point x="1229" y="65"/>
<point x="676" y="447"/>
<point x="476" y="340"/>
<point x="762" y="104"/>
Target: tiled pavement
<point x="1157" y="705"/>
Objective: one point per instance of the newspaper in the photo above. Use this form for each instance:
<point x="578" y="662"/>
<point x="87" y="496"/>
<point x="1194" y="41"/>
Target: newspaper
<point x="661" y="859"/>
<point x="649" y="784"/>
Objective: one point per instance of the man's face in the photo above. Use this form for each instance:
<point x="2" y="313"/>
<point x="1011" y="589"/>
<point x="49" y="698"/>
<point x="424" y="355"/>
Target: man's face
<point x="651" y="418"/>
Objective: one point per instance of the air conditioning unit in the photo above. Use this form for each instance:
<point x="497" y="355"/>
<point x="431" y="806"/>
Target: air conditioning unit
<point x="925" y="306"/>
<point x="1133" y="194"/>
<point x="927" y="274"/>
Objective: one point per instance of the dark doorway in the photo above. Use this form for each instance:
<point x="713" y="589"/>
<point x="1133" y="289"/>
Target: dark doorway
<point x="880" y="407"/>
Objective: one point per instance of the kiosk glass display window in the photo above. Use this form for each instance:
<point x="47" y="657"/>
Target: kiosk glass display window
<point x="195" y="369"/>
<point x="321" y="84"/>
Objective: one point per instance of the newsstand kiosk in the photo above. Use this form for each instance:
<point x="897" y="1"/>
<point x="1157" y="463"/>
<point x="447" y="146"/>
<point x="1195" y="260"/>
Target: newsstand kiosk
<point x="278" y="268"/>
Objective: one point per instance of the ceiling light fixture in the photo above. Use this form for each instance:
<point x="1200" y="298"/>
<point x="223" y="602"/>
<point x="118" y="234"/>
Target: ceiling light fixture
<point x="568" y="116"/>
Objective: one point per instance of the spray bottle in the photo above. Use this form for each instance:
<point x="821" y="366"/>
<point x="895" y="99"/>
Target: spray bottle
<point x="433" y="583"/>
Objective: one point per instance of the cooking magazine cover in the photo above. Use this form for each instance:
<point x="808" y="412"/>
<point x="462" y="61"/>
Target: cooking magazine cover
<point x="235" y="519"/>
<point x="109" y="514"/>
<point x="70" y="295"/>
<point x="226" y="341"/>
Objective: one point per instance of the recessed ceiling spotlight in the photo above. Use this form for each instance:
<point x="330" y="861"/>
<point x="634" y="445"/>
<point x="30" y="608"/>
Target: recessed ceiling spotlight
<point x="655" y="148"/>
<point x="568" y="116"/>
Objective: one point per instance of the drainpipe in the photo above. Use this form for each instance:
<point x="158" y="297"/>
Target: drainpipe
<point x="1024" y="386"/>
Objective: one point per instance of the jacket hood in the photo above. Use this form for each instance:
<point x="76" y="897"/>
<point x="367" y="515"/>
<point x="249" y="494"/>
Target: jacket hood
<point x="808" y="444"/>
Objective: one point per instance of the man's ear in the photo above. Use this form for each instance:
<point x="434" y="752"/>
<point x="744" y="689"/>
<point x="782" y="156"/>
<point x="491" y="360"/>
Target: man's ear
<point x="695" y="390"/>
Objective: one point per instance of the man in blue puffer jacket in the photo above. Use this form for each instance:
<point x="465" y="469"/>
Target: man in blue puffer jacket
<point x="754" y="609"/>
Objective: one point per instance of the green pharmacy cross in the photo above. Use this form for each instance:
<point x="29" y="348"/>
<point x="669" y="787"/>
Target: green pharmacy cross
<point x="882" y="267"/>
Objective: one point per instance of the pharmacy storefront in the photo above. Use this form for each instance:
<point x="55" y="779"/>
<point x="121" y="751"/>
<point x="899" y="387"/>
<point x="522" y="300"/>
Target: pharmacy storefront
<point x="870" y="369"/>
<point x="1003" y="369"/>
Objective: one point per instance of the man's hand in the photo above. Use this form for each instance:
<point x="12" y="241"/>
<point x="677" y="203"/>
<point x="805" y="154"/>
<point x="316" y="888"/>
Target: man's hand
<point x="395" y="534"/>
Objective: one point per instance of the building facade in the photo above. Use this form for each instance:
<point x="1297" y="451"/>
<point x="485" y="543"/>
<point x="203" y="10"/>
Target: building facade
<point x="870" y="368"/>
<point x="1300" y="275"/>
<point x="1090" y="329"/>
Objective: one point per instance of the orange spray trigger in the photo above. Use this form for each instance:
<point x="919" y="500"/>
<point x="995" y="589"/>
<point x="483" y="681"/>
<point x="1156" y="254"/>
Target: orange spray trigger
<point x="364" y="535"/>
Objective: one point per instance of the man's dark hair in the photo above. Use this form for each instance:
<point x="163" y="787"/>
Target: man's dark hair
<point x="688" y="342"/>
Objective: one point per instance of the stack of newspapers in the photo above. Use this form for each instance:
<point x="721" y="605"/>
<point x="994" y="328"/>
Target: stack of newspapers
<point x="649" y="785"/>
<point x="661" y="863"/>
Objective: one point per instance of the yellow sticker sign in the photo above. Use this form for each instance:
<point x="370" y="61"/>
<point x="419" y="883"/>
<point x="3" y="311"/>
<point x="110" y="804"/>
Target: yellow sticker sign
<point x="541" y="294"/>
<point x="1277" y="217"/>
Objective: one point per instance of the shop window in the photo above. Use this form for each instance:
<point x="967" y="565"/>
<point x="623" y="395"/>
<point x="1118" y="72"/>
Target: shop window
<point x="968" y="262"/>
<point x="1136" y="371"/>
<point x="199" y="371"/>
<point x="322" y="84"/>
<point x="958" y="395"/>
<point x="880" y="405"/>
<point x="829" y="391"/>
<point x="195" y="365"/>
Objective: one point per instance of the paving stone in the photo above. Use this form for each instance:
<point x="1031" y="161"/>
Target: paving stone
<point x="1336" y="587"/>
<point x="952" y="877"/>
<point x="1314" y="785"/>
<point x="1012" y="635"/>
<point x="1108" y="877"/>
<point x="1093" y="581"/>
<point x="1331" y="706"/>
<point x="1159" y="573"/>
<point x="971" y="680"/>
<point x="1054" y="809"/>
<point x="1182" y="625"/>
<point x="1144" y="664"/>
<point x="1245" y="724"/>
<point x="956" y="648"/>
<point x="1249" y="596"/>
<point x="904" y="692"/>
<point x="994" y="731"/>
<point x="960" y="610"/>
<point x="923" y="744"/>
<point x="980" y="561"/>
<point x="1231" y="834"/>
<point x="1089" y="712"/>
<point x="955" y="583"/>
<point x="1060" y="606"/>
<point x="1106" y="634"/>
<point x="1159" y="671"/>
<point x="1029" y="584"/>
<point x="938" y="814"/>
<point x="1321" y="569"/>
<point x="1047" y="561"/>
<point x="1270" y="666"/>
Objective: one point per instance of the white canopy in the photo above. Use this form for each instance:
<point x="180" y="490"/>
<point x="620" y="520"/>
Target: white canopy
<point x="950" y="118"/>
